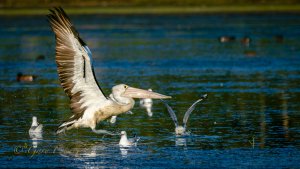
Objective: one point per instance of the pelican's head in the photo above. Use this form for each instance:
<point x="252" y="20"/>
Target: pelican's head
<point x="34" y="121"/>
<point x="180" y="130"/>
<point x="131" y="92"/>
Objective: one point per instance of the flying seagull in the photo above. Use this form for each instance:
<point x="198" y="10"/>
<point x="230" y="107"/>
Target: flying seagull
<point x="88" y="103"/>
<point x="147" y="104"/>
<point x="181" y="130"/>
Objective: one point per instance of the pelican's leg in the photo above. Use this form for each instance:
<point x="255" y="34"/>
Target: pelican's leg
<point x="104" y="132"/>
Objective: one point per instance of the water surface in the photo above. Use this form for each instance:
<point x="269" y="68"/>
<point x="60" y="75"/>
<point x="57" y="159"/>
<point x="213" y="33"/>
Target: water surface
<point x="249" y="120"/>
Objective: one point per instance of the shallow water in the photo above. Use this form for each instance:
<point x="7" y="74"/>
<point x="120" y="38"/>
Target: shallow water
<point x="249" y="120"/>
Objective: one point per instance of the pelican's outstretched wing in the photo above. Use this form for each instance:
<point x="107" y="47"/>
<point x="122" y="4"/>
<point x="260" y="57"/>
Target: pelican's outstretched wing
<point x="191" y="109"/>
<point x="75" y="70"/>
<point x="171" y="112"/>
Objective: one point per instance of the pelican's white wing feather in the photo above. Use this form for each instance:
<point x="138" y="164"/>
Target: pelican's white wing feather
<point x="74" y="67"/>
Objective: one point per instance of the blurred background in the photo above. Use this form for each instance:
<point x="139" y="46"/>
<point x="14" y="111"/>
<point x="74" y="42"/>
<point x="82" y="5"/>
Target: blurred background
<point x="126" y="3"/>
<point x="147" y="6"/>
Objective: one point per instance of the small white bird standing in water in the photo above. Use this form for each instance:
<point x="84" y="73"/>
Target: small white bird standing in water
<point x="88" y="102"/>
<point x="35" y="126"/>
<point x="181" y="130"/>
<point x="147" y="104"/>
<point x="125" y="142"/>
<point x="35" y="132"/>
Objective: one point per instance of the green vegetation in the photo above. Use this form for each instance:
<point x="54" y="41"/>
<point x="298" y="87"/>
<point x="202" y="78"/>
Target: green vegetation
<point x="29" y="7"/>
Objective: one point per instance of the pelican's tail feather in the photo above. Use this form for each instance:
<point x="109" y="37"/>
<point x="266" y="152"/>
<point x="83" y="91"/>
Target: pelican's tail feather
<point x="65" y="126"/>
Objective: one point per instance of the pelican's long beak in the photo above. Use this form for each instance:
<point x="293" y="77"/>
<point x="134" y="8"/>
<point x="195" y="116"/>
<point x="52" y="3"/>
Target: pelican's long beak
<point x="143" y="94"/>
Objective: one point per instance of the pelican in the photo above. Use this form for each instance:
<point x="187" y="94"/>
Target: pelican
<point x="88" y="103"/>
<point x="147" y="104"/>
<point x="124" y="142"/>
<point x="181" y="130"/>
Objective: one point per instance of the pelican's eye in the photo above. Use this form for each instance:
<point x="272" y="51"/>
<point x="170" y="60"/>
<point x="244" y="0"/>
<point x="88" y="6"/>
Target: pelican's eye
<point x="125" y="86"/>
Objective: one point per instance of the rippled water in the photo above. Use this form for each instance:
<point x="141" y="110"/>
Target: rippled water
<point x="249" y="120"/>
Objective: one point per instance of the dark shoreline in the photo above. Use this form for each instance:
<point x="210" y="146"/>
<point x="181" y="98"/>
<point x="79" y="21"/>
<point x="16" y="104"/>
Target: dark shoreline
<point x="156" y="10"/>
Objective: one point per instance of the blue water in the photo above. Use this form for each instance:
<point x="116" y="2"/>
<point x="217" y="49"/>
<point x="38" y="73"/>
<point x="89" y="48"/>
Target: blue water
<point x="249" y="120"/>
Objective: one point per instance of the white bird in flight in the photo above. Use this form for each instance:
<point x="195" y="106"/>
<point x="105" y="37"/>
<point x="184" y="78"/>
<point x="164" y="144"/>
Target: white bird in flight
<point x="76" y="74"/>
<point x="125" y="142"/>
<point x="147" y="104"/>
<point x="181" y="130"/>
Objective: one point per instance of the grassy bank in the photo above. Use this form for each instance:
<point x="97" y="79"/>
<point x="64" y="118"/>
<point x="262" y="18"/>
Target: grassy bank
<point x="155" y="10"/>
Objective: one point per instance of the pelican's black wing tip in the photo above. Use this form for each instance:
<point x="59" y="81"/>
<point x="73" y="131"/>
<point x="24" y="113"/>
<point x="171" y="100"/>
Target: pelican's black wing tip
<point x="57" y="10"/>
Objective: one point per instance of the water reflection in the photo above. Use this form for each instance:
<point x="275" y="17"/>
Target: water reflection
<point x="81" y="149"/>
<point x="129" y="150"/>
<point x="180" y="141"/>
<point x="285" y="116"/>
<point x="36" y="138"/>
<point x="124" y="151"/>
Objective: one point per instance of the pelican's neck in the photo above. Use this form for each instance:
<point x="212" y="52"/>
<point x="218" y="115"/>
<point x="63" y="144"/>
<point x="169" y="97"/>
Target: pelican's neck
<point x="121" y="100"/>
<point x="119" y="105"/>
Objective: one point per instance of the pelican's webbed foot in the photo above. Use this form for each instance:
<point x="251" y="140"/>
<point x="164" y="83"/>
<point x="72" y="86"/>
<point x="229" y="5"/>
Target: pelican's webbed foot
<point x="104" y="132"/>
